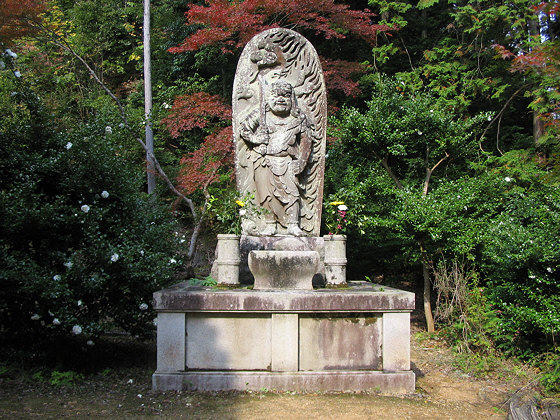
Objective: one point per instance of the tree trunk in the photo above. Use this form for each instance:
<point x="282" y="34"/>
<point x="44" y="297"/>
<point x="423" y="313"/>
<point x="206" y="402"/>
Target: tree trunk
<point x="150" y="170"/>
<point x="427" y="293"/>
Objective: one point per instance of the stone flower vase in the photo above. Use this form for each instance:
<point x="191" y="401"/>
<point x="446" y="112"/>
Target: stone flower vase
<point x="335" y="259"/>
<point x="228" y="259"/>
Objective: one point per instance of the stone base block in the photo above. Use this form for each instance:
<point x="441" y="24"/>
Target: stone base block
<point x="333" y="381"/>
<point x="352" y="339"/>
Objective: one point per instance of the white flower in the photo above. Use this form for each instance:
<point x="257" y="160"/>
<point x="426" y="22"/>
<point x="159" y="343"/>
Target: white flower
<point x="68" y="146"/>
<point x="342" y="207"/>
<point x="55" y="321"/>
<point x="182" y="241"/>
<point x="115" y="257"/>
<point x="242" y="212"/>
<point x="80" y="303"/>
<point x="130" y="381"/>
<point x="11" y="53"/>
<point x="142" y="252"/>
<point x="85" y="208"/>
<point x="104" y="194"/>
<point x="173" y="261"/>
<point x="68" y="264"/>
<point x="419" y="133"/>
<point x="108" y="130"/>
<point x="90" y="343"/>
<point x="489" y="118"/>
<point x="76" y="330"/>
<point x="143" y="306"/>
<point x="17" y="74"/>
<point x="57" y="277"/>
<point x="166" y="105"/>
<point x="549" y="269"/>
<point x="35" y="317"/>
<point x="139" y="395"/>
<point x="507" y="179"/>
<point x="432" y="111"/>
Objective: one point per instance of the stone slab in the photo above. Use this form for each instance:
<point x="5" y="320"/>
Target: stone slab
<point x="340" y="343"/>
<point x="171" y="342"/>
<point x="333" y="381"/>
<point x="285" y="342"/>
<point x="358" y="297"/>
<point x="396" y="341"/>
<point x="228" y="342"/>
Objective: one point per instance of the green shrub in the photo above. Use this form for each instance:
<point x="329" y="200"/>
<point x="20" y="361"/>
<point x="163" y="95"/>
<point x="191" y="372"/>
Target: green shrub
<point x="82" y="248"/>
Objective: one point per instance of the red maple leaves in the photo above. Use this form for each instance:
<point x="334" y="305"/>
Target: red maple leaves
<point x="208" y="164"/>
<point x="196" y="110"/>
<point x="231" y="24"/>
<point x="15" y="18"/>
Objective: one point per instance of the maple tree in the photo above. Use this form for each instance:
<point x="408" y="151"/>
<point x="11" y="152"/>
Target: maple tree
<point x="14" y="18"/>
<point x="230" y="25"/>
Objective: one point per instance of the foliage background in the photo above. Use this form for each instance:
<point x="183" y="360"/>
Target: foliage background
<point x="443" y="146"/>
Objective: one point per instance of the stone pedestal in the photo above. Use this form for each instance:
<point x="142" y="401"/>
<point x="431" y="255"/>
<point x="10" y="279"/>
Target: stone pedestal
<point x="353" y="339"/>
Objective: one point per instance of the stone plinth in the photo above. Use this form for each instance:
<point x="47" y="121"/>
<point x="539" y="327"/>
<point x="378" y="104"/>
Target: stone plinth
<point x="353" y="339"/>
<point x="283" y="269"/>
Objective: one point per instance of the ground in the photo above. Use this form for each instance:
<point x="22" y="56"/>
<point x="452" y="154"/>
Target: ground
<point x="122" y="389"/>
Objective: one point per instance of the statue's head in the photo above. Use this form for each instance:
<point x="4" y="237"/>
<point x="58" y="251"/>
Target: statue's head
<point x="279" y="98"/>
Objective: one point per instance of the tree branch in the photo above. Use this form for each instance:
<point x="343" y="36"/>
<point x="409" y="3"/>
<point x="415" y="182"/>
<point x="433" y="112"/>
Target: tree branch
<point x="429" y="174"/>
<point x="385" y="164"/>
<point x="62" y="43"/>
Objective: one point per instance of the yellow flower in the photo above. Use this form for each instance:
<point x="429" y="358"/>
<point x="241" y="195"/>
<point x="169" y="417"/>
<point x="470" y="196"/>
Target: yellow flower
<point x="337" y="203"/>
<point x="239" y="203"/>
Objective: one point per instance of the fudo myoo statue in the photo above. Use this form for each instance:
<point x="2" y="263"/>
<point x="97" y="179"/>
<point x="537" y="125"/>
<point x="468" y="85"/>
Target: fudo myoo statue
<point x="279" y="122"/>
<point x="282" y="146"/>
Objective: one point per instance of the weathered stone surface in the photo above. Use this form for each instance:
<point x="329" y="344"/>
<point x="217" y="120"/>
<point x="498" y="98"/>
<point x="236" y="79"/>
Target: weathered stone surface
<point x="358" y="297"/>
<point x="333" y="381"/>
<point x="340" y="343"/>
<point x="280" y="243"/>
<point x="228" y="259"/>
<point x="228" y="342"/>
<point x="396" y="341"/>
<point x="352" y="333"/>
<point x="283" y="269"/>
<point x="279" y="125"/>
<point x="335" y="259"/>
<point x="171" y="342"/>
<point x="285" y="342"/>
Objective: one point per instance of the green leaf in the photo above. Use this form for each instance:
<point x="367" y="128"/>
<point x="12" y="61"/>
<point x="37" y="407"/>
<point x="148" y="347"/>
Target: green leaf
<point x="424" y="4"/>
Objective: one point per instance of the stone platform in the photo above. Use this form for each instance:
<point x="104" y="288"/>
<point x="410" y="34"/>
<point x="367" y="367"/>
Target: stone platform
<point x="351" y="339"/>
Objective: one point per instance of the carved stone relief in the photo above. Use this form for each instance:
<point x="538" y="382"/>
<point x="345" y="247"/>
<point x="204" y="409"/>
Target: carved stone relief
<point x="279" y="125"/>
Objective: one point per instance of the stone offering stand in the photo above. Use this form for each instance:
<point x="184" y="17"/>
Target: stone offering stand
<point x="283" y="316"/>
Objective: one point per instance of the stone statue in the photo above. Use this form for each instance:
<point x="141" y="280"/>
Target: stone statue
<point x="279" y="122"/>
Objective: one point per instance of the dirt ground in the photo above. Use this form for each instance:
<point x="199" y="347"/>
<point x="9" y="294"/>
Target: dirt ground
<point x="442" y="392"/>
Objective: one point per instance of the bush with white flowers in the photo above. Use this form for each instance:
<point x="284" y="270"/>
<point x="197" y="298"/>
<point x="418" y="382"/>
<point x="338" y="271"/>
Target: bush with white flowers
<point x="83" y="248"/>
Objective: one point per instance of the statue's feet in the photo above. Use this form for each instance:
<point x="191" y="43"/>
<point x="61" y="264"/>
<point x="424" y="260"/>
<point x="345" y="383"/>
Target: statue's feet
<point x="269" y="229"/>
<point x="293" y="229"/>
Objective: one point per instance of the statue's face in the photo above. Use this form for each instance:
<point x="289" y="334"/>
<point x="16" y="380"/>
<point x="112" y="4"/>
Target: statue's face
<point x="280" y="100"/>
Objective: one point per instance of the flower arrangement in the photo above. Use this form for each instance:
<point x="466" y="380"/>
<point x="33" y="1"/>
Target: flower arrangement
<point x="336" y="217"/>
<point x="231" y="213"/>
